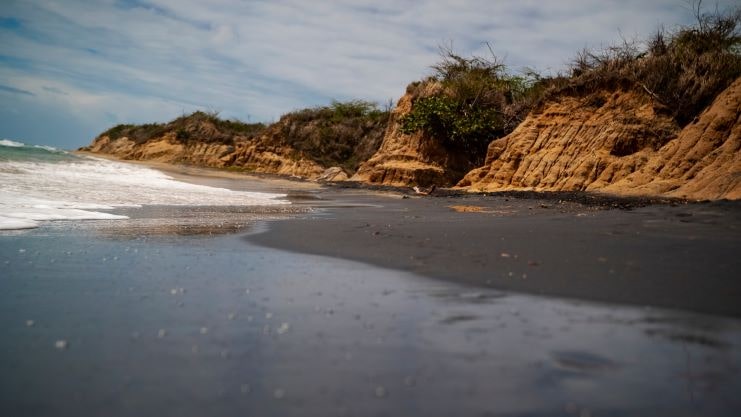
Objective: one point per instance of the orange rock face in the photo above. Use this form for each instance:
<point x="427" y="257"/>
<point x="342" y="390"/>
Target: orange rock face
<point x="619" y="143"/>
<point x="412" y="159"/>
<point x="245" y="154"/>
<point x="703" y="162"/>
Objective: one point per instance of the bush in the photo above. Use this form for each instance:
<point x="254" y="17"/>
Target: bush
<point x="441" y="116"/>
<point x="479" y="101"/>
<point x="137" y="133"/>
<point x="188" y="128"/>
<point x="340" y="134"/>
<point x="339" y="111"/>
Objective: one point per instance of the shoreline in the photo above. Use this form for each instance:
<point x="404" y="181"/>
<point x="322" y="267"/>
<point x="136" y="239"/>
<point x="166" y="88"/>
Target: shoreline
<point x="624" y="250"/>
<point x="278" y="181"/>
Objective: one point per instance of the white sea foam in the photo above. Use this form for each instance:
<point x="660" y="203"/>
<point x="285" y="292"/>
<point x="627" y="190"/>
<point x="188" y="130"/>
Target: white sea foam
<point x="77" y="189"/>
<point x="10" y="143"/>
<point x="48" y="148"/>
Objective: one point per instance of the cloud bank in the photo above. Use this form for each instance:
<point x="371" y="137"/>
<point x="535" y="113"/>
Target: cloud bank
<point x="76" y="67"/>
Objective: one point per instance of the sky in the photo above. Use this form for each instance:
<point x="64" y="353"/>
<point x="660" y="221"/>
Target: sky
<point x="69" y="69"/>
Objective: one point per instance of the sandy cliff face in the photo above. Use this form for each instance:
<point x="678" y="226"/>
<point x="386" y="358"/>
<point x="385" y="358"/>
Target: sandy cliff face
<point x="244" y="153"/>
<point x="703" y="162"/>
<point x="618" y="142"/>
<point x="163" y="149"/>
<point x="292" y="146"/>
<point x="412" y="159"/>
<point x="575" y="143"/>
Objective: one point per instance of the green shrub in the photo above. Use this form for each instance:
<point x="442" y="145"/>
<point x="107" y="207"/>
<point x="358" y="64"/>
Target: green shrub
<point x="137" y="133"/>
<point x="479" y="101"/>
<point x="339" y="111"/>
<point x="443" y="117"/>
<point x="189" y="127"/>
<point x="341" y="134"/>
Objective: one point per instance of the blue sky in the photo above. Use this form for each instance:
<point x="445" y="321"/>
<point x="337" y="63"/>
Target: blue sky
<point x="71" y="68"/>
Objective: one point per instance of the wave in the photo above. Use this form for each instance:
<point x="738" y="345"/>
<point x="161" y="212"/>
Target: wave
<point x="11" y="144"/>
<point x="71" y="187"/>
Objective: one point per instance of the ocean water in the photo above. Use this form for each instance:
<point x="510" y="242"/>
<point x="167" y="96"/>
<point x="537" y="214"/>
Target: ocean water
<point x="40" y="184"/>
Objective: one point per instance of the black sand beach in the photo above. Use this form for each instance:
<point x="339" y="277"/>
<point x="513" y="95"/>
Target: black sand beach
<point x="623" y="250"/>
<point x="460" y="305"/>
<point x="678" y="255"/>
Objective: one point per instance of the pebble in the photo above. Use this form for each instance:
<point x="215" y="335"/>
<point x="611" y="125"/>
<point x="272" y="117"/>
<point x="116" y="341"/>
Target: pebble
<point x="284" y="327"/>
<point x="204" y="330"/>
<point x="60" y="344"/>
<point x="231" y="316"/>
<point x="30" y="323"/>
<point x="161" y="333"/>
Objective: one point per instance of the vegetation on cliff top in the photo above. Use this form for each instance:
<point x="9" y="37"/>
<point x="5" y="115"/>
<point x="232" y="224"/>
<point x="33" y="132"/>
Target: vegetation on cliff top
<point x="481" y="99"/>
<point x="683" y="70"/>
<point x="341" y="134"/>
<point x="198" y="126"/>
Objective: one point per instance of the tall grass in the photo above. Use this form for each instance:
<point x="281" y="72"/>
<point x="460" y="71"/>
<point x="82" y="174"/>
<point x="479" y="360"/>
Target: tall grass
<point x="683" y="70"/>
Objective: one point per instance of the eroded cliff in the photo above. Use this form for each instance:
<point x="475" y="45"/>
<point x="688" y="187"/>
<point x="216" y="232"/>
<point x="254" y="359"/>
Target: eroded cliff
<point x="620" y="142"/>
<point x="416" y="158"/>
<point x="703" y="162"/>
<point x="306" y="143"/>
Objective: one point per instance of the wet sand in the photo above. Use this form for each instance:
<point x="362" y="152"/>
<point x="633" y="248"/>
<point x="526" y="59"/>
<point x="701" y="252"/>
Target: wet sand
<point x="682" y="256"/>
<point x="130" y="324"/>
